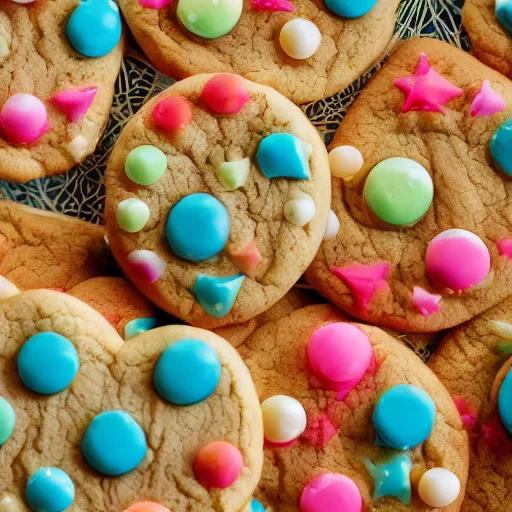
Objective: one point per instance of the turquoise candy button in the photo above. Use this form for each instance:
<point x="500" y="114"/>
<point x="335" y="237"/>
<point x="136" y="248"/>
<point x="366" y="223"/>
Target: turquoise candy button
<point x="187" y="372"/>
<point x="198" y="227"/>
<point x="50" y="490"/>
<point x="501" y="144"/>
<point x="7" y="420"/>
<point x="48" y="363"/>
<point x="256" y="506"/>
<point x="504" y="14"/>
<point x="217" y="294"/>
<point x="392" y="478"/>
<point x="139" y="325"/>
<point x="94" y="27"/>
<point x="350" y="8"/>
<point x="505" y="402"/>
<point x="283" y="155"/>
<point x="404" y="417"/>
<point x="114" y="443"/>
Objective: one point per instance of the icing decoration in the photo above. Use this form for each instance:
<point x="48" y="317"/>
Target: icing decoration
<point x="114" y="444"/>
<point x="339" y="355"/>
<point x="426" y="90"/>
<point x="345" y="162"/>
<point x="147" y="506"/>
<point x="284" y="419"/>
<point x="282" y="155"/>
<point x="187" y="372"/>
<point x="210" y="18"/>
<point x="333" y="226"/>
<point x="50" y="490"/>
<point x="500" y="145"/>
<point x="172" y="113"/>
<point x="23" y="119"/>
<point x="505" y="247"/>
<point x="331" y="491"/>
<point x="364" y="281"/>
<point x="7" y="420"/>
<point x="467" y="414"/>
<point x="457" y="259"/>
<point x="426" y="303"/>
<point x="145" y="165"/>
<point x="392" y="478"/>
<point x="216" y="295"/>
<point x="504" y="14"/>
<point x="272" y="5"/>
<point x="225" y="94"/>
<point x="145" y="265"/>
<point x="233" y="175"/>
<point x="300" y="211"/>
<point x="399" y="191"/>
<point x="403" y="417"/>
<point x="197" y="227"/>
<point x="218" y="464"/>
<point x="439" y="487"/>
<point x="132" y="214"/>
<point x="487" y="102"/>
<point x="48" y="363"/>
<point x="94" y="27"/>
<point x="247" y="259"/>
<point x="504" y="401"/>
<point x="74" y="102"/>
<point x="349" y="9"/>
<point x="155" y="4"/>
<point x="77" y="148"/>
<point x="320" y="431"/>
<point x="256" y="506"/>
<point x="300" y="38"/>
<point x="139" y="325"/>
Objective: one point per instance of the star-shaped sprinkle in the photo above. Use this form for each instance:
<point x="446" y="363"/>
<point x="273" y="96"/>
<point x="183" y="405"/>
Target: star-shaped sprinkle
<point x="426" y="90"/>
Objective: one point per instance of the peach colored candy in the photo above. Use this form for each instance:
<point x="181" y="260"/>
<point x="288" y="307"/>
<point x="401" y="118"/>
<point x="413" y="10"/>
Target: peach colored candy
<point x="218" y="464"/>
<point x="147" y="506"/>
<point x="225" y="94"/>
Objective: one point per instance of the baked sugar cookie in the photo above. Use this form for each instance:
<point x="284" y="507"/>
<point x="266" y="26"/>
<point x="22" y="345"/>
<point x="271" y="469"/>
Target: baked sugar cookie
<point x="217" y="199"/>
<point x="58" y="65"/>
<point x="421" y="190"/>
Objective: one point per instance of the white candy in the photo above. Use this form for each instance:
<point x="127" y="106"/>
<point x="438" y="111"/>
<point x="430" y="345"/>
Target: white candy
<point x="284" y="419"/>
<point x="77" y="148"/>
<point x="300" y="211"/>
<point x="333" y="226"/>
<point x="345" y="162"/>
<point x="439" y="487"/>
<point x="300" y="38"/>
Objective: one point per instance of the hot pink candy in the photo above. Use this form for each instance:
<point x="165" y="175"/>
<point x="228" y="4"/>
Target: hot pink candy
<point x="426" y="303"/>
<point x="272" y="5"/>
<point x="74" y="102"/>
<point x="155" y="4"/>
<point x="225" y="94"/>
<point x="487" y="102"/>
<point x="145" y="265"/>
<point x="505" y="247"/>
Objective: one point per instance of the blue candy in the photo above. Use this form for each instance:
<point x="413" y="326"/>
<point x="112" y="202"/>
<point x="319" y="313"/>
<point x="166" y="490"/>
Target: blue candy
<point x="139" y="325"/>
<point x="216" y="295"/>
<point x="505" y="402"/>
<point x="500" y="146"/>
<point x="392" y="478"/>
<point x="198" y="227"/>
<point x="256" y="506"/>
<point x="350" y="8"/>
<point x="50" y="490"/>
<point x="187" y="372"/>
<point x="504" y="14"/>
<point x="48" y="363"/>
<point x="94" y="27"/>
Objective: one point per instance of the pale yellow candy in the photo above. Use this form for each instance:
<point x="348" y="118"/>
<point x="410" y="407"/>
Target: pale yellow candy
<point x="300" y="38"/>
<point x="439" y="487"/>
<point x="345" y="162"/>
<point x="300" y="211"/>
<point x="284" y="419"/>
<point x="333" y="226"/>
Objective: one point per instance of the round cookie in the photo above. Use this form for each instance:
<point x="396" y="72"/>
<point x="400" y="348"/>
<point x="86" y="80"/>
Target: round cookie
<point x="350" y="379"/>
<point x="426" y="236"/>
<point x="232" y="184"/>
<point x="115" y="436"/>
<point x="306" y="50"/>
<point x="56" y="99"/>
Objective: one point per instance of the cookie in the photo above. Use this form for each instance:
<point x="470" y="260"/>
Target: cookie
<point x="306" y="50"/>
<point x="420" y="187"/>
<point x="92" y="424"/>
<point x="40" y="249"/>
<point x="337" y="401"/>
<point x="217" y="199"/>
<point x="58" y="62"/>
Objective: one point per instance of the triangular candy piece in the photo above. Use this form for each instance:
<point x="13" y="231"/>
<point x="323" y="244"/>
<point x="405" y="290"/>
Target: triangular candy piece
<point x="217" y="294"/>
<point x="74" y="102"/>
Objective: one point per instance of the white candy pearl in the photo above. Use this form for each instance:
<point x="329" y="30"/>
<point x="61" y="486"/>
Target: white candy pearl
<point x="439" y="487"/>
<point x="345" y="162"/>
<point x="300" y="38"/>
<point x="284" y="419"/>
<point x="333" y="226"/>
<point x="300" y="211"/>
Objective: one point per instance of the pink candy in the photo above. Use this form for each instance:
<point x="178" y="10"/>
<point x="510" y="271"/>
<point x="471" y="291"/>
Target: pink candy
<point x="74" y="102"/>
<point x="155" y="4"/>
<point x="272" y="5"/>
<point x="487" y="102"/>
<point x="225" y="94"/>
<point x="145" y="265"/>
<point x="248" y="258"/>
<point x="425" y="302"/>
<point x="218" y="465"/>
<point x="505" y="247"/>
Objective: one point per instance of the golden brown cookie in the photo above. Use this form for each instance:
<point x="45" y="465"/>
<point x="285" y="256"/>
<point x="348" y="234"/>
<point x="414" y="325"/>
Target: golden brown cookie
<point x="345" y="47"/>
<point x="425" y="238"/>
<point x="217" y="199"/>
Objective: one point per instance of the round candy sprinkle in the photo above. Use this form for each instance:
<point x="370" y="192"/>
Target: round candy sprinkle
<point x="300" y="38"/>
<point x="7" y="420"/>
<point x="218" y="465"/>
<point x="114" y="443"/>
<point x="404" y="417"/>
<point x="171" y="114"/>
<point x="300" y="211"/>
<point x="332" y="492"/>
<point x="147" y="506"/>
<point x="457" y="259"/>
<point x="333" y="226"/>
<point x="187" y="372"/>
<point x="145" y="165"/>
<point x="197" y="227"/>
<point x="504" y="401"/>
<point x="345" y="162"/>
<point x="350" y="9"/>
<point x="132" y="214"/>
<point x="284" y="419"/>
<point x="225" y="94"/>
<point x="210" y="18"/>
<point x="145" y="265"/>
<point x="439" y="487"/>
<point x="50" y="490"/>
<point x="48" y="363"/>
<point x="399" y="191"/>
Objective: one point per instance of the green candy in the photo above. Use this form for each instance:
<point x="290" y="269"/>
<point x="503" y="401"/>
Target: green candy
<point x="399" y="191"/>
<point x="132" y="214"/>
<point x="7" y="420"/>
<point x="145" y="165"/>
<point x="233" y="175"/>
<point x="210" y="18"/>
